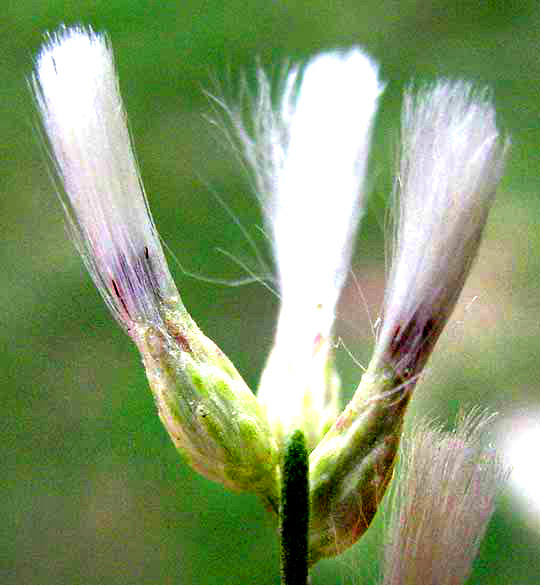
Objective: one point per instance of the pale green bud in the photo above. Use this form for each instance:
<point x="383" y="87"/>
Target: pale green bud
<point x="352" y="466"/>
<point x="211" y="415"/>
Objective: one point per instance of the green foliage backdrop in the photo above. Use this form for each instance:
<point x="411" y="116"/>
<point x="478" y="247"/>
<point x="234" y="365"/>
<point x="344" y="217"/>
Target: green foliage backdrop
<point x="91" y="489"/>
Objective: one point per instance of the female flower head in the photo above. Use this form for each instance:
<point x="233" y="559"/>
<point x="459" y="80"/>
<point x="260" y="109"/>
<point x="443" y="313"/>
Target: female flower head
<point x="309" y="160"/>
<point x="308" y="152"/>
<point x="451" y="163"/>
<point x="78" y="96"/>
<point x="209" y="412"/>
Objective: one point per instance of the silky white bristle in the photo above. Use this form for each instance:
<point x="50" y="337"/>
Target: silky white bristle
<point x="451" y="163"/>
<point x="78" y="96"/>
<point x="309" y="158"/>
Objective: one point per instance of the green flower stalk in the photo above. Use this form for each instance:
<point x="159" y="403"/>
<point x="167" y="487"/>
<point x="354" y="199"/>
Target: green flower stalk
<point x="294" y="511"/>
<point x="211" y="415"/>
<point x="308" y="156"/>
<point x="451" y="162"/>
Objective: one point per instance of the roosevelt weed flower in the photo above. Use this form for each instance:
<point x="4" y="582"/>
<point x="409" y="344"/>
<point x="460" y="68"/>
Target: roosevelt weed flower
<point x="451" y="162"/>
<point x="323" y="473"/>
<point x="207" y="409"/>
<point x="309" y="158"/>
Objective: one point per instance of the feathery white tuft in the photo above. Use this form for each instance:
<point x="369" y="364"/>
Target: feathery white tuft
<point x="309" y="158"/>
<point x="442" y="505"/>
<point x="79" y="99"/>
<point x="451" y="163"/>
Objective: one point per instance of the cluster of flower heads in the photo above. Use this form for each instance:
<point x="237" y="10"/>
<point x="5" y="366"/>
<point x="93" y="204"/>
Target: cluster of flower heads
<point x="308" y="148"/>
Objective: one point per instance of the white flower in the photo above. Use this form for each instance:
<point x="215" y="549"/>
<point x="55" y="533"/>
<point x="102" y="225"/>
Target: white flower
<point x="78" y="96"/>
<point x="213" y="418"/>
<point x="451" y="163"/>
<point x="309" y="159"/>
<point x="319" y="191"/>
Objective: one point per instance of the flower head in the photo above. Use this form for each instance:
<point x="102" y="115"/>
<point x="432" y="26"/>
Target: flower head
<point x="82" y="112"/>
<point x="210" y="413"/>
<point x="451" y="162"/>
<point x="309" y="158"/>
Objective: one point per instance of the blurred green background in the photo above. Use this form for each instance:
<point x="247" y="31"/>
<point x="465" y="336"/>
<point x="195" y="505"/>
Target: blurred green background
<point x="91" y="489"/>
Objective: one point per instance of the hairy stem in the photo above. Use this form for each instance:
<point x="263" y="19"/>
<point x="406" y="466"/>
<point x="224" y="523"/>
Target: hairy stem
<point x="294" y="512"/>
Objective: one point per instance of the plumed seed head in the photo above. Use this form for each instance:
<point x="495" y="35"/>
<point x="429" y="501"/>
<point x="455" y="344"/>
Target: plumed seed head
<point x="451" y="162"/>
<point x="79" y="100"/>
<point x="308" y="149"/>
